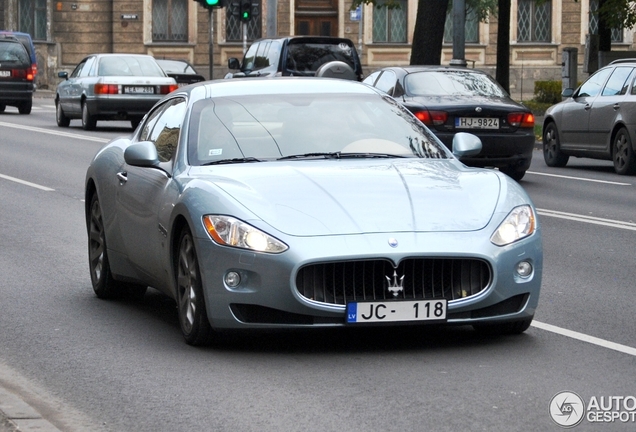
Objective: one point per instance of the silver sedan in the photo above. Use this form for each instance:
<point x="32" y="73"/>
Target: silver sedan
<point x="111" y="87"/>
<point x="298" y="203"/>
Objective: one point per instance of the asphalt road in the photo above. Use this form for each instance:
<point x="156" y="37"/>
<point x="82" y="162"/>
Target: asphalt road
<point x="71" y="362"/>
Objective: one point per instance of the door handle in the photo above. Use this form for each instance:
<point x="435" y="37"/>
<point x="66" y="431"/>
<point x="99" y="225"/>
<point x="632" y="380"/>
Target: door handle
<point x="122" y="176"/>
<point x="616" y="106"/>
<point x="587" y="107"/>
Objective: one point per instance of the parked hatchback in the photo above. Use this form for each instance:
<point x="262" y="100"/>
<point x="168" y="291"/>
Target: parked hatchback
<point x="320" y="56"/>
<point x="16" y="76"/>
<point x="451" y="99"/>
<point x="111" y="87"/>
<point x="597" y="120"/>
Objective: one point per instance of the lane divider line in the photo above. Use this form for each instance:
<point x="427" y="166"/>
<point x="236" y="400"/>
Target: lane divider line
<point x="578" y="178"/>
<point x="54" y="132"/>
<point x="24" y="182"/>
<point x="588" y="219"/>
<point x="585" y="338"/>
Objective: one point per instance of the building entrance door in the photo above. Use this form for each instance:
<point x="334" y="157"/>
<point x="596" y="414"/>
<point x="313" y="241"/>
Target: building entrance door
<point x="316" y="18"/>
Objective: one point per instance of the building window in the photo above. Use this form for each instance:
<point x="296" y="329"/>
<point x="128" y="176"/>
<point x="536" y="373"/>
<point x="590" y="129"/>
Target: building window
<point x="534" y="19"/>
<point x="32" y="18"/>
<point x="390" y="25"/>
<point x="170" y="20"/>
<point x="471" y="27"/>
<point x="234" y="25"/>
<point x="617" y="33"/>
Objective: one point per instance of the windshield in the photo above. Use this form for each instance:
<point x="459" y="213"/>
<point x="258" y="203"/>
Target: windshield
<point x="445" y="83"/>
<point x="281" y="126"/>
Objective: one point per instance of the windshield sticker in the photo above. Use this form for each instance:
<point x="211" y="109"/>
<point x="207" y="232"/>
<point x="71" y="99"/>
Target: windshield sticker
<point x="215" y="152"/>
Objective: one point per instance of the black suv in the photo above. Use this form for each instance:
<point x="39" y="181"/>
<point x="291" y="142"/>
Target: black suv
<point x="16" y="75"/>
<point x="299" y="56"/>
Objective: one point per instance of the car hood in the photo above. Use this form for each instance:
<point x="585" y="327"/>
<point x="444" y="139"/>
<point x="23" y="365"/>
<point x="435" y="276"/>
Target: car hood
<point x="310" y="198"/>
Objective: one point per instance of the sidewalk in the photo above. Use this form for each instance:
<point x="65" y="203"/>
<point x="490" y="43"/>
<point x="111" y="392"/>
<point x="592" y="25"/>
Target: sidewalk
<point x="16" y="415"/>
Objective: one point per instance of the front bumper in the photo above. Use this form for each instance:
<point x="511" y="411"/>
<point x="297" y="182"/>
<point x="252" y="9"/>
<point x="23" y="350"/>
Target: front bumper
<point x="268" y="298"/>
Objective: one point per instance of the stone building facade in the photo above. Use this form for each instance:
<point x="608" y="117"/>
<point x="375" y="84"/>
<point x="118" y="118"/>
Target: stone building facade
<point x="64" y="31"/>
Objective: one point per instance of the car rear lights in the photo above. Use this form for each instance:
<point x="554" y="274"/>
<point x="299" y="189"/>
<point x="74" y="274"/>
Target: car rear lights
<point x="524" y="120"/>
<point x="26" y="74"/>
<point x="432" y="118"/>
<point x="105" y="89"/>
<point x="165" y="89"/>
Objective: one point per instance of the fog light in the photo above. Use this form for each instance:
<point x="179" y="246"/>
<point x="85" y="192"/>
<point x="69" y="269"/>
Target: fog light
<point x="524" y="268"/>
<point x="232" y="279"/>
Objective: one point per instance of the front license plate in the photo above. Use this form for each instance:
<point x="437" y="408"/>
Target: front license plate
<point x="144" y="90"/>
<point x="395" y="311"/>
<point x="5" y="73"/>
<point x="476" y="123"/>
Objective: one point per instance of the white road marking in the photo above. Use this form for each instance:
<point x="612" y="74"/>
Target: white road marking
<point x="588" y="219"/>
<point x="54" y="132"/>
<point x="585" y="338"/>
<point x="578" y="178"/>
<point x="24" y="182"/>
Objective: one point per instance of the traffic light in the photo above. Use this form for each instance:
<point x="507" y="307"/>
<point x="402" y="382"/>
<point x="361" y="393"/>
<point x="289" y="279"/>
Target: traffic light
<point x="211" y="4"/>
<point x="245" y="12"/>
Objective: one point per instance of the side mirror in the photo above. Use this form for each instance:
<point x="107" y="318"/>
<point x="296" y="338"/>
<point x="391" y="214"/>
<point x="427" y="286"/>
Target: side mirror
<point x="233" y="63"/>
<point x="142" y="154"/>
<point x="466" y="144"/>
<point x="63" y="75"/>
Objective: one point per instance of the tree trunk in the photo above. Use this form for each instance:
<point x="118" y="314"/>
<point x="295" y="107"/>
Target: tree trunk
<point x="503" y="44"/>
<point x="428" y="34"/>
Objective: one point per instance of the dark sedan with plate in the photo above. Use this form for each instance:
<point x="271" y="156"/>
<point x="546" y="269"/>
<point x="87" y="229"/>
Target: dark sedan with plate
<point x="16" y="75"/>
<point x="181" y="70"/>
<point x="450" y="99"/>
<point x="111" y="87"/>
<point x="308" y="202"/>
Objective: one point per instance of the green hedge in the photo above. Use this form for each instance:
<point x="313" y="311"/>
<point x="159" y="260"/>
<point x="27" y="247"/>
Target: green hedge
<point x="547" y="91"/>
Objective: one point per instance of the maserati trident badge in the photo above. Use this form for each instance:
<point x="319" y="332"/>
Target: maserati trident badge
<point x="395" y="285"/>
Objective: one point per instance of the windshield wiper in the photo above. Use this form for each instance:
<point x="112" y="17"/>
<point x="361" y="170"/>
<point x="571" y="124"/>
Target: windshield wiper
<point x="340" y="155"/>
<point x="232" y="161"/>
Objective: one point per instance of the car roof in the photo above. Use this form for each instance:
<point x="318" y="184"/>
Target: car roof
<point x="281" y="85"/>
<point x="323" y="39"/>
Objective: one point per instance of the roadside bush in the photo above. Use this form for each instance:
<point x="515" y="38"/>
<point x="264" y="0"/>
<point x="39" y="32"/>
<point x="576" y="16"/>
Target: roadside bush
<point x="547" y="91"/>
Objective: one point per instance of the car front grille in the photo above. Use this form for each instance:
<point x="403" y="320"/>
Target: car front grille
<point x="413" y="279"/>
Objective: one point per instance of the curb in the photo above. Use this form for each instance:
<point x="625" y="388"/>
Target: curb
<point x="17" y="415"/>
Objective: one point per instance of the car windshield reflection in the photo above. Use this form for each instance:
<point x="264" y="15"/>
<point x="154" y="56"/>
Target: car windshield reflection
<point x="307" y="126"/>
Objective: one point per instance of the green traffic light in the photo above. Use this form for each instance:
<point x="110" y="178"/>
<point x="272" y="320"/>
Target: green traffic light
<point x="212" y="2"/>
<point x="246" y="15"/>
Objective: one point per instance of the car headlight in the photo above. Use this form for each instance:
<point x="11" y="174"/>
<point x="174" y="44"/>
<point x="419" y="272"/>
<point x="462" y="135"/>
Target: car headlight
<point x="520" y="223"/>
<point x="229" y="231"/>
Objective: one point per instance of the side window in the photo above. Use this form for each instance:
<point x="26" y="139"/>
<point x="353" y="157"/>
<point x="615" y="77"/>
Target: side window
<point x="261" y="61"/>
<point x="593" y="85"/>
<point x="78" y="69"/>
<point x="371" y="78"/>
<point x="166" y="129"/>
<point x="162" y="127"/>
<point x="618" y="82"/>
<point x="386" y="82"/>
<point x="250" y="57"/>
<point x="87" y="67"/>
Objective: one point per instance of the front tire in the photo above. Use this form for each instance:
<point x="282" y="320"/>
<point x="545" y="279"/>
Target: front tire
<point x="552" y="147"/>
<point x="60" y="117"/>
<point x="193" y="317"/>
<point x="623" y="153"/>
<point x="88" y="121"/>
